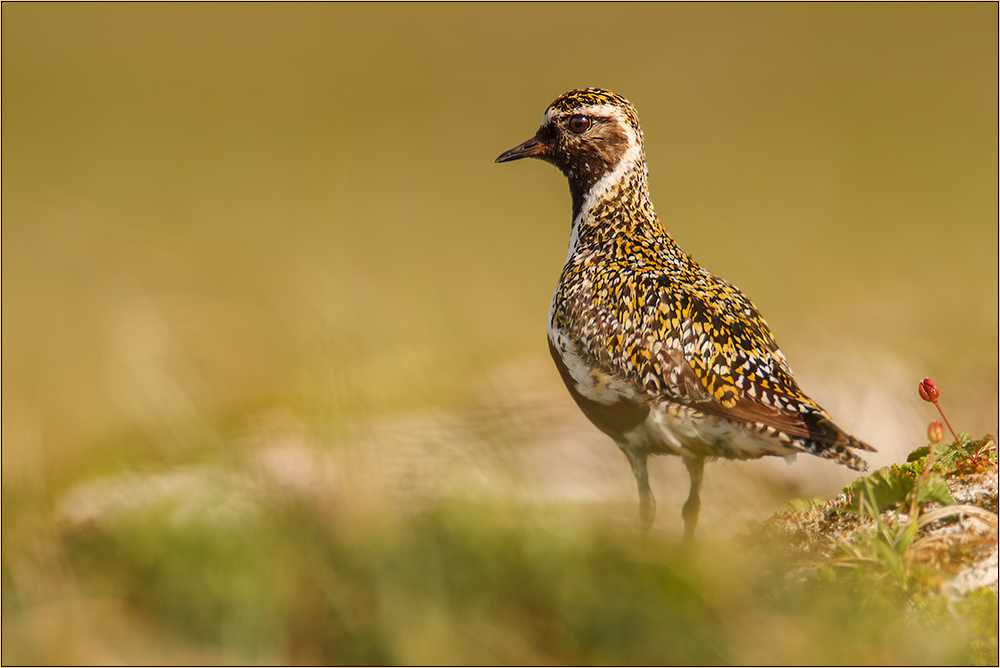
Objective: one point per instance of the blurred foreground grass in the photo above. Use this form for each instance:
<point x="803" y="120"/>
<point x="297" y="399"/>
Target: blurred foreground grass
<point x="284" y="581"/>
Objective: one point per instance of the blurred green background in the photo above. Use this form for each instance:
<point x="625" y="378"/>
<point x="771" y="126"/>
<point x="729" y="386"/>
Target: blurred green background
<point x="248" y="233"/>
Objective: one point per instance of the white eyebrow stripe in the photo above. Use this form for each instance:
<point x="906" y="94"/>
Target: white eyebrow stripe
<point x="609" y="110"/>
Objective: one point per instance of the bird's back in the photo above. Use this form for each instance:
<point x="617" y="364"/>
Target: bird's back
<point x="645" y="326"/>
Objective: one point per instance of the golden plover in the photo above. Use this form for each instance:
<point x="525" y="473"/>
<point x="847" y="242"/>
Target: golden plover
<point x="661" y="355"/>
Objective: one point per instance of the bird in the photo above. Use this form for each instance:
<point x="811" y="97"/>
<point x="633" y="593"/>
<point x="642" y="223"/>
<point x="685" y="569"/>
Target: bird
<point x="660" y="354"/>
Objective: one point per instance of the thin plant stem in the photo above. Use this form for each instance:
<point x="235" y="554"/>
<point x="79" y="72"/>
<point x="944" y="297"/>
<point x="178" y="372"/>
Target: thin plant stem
<point x="943" y="417"/>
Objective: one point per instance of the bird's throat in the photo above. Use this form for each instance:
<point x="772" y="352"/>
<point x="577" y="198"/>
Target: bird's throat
<point x="589" y="188"/>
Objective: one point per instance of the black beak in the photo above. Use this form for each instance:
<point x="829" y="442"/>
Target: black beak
<point x="529" y="149"/>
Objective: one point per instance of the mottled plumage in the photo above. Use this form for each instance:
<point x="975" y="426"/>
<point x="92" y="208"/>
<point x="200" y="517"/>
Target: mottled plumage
<point x="660" y="354"/>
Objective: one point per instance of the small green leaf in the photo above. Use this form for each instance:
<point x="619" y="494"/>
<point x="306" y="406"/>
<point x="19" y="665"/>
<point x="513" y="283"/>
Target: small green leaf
<point x="804" y="505"/>
<point x="906" y="537"/>
<point x="936" y="490"/>
<point x="885" y="487"/>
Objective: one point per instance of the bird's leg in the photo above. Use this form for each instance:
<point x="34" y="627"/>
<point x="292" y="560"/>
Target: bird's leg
<point x="692" y="506"/>
<point x="647" y="504"/>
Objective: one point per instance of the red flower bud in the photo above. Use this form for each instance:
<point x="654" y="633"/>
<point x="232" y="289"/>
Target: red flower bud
<point x="935" y="432"/>
<point x="929" y="391"/>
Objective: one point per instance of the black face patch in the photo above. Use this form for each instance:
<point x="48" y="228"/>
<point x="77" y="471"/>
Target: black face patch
<point x="584" y="157"/>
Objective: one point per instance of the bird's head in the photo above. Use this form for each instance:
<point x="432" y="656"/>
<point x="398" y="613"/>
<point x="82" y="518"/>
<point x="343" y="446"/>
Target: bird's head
<point x="588" y="134"/>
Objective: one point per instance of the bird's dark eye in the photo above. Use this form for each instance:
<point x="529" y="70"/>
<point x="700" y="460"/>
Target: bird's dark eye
<point x="579" y="123"/>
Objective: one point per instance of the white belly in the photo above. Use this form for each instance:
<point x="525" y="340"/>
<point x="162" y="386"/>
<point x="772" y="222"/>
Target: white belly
<point x="670" y="427"/>
<point x="676" y="429"/>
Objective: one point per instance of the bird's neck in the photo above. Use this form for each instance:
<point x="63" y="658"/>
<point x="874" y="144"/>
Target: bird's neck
<point x="589" y="187"/>
<point x="618" y="205"/>
<point x="618" y="202"/>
